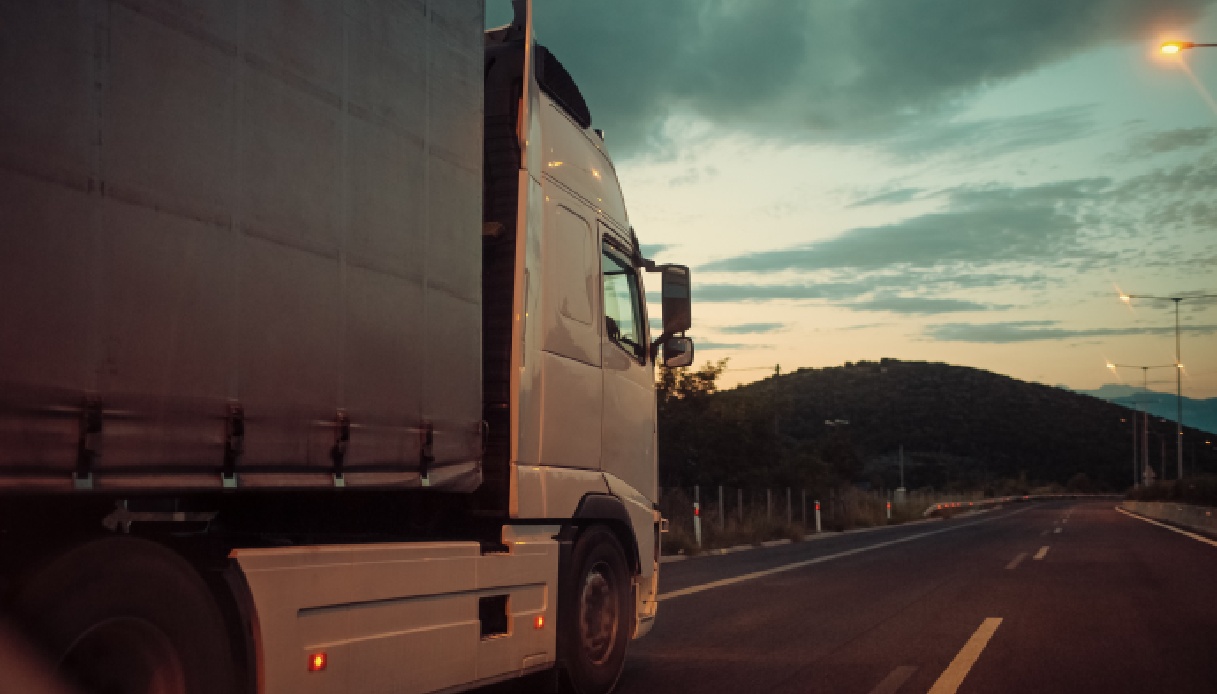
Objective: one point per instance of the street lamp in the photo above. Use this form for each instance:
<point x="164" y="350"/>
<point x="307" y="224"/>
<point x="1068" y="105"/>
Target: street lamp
<point x="1173" y="47"/>
<point x="1127" y="298"/>
<point x="1136" y="470"/>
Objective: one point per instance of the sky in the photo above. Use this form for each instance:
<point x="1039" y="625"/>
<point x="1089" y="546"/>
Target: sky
<point x="942" y="180"/>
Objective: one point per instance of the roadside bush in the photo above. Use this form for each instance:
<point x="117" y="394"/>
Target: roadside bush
<point x="1200" y="490"/>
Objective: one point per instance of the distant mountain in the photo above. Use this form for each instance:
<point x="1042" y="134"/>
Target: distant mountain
<point x="1201" y="414"/>
<point x="959" y="427"/>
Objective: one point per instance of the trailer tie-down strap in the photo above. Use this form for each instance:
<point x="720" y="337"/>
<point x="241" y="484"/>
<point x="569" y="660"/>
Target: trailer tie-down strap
<point x="426" y="453"/>
<point x="89" y="449"/>
<point x="342" y="439"/>
<point x="234" y="443"/>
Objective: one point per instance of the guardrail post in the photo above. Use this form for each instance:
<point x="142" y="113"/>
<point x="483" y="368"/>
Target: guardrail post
<point x="722" y="510"/>
<point x="768" y="504"/>
<point x="889" y="510"/>
<point x="739" y="503"/>
<point x="789" y="508"/>
<point x="804" y="508"/>
<point x="818" y="530"/>
<point x="697" y="515"/>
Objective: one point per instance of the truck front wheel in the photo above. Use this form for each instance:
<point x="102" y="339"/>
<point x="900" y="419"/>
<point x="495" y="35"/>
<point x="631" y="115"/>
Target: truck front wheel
<point x="126" y="616"/>
<point x="599" y="613"/>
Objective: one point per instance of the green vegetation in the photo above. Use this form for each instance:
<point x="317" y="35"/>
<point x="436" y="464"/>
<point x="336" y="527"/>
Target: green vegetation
<point x="1200" y="490"/>
<point x="962" y="430"/>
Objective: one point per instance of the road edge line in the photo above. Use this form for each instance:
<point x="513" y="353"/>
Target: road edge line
<point x="723" y="582"/>
<point x="1168" y="526"/>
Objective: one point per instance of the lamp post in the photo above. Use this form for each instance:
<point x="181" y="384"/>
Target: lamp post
<point x="1145" y="419"/>
<point x="1127" y="298"/>
<point x="1173" y="47"/>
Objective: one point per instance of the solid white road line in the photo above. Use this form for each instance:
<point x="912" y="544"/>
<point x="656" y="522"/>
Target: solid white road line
<point x="1056" y="531"/>
<point x="894" y="680"/>
<point x="1171" y="528"/>
<point x="820" y="560"/>
<point x="1042" y="553"/>
<point x="1017" y="560"/>
<point x="952" y="677"/>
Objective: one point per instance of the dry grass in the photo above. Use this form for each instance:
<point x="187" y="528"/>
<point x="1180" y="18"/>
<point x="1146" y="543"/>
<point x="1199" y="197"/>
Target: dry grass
<point x="850" y="509"/>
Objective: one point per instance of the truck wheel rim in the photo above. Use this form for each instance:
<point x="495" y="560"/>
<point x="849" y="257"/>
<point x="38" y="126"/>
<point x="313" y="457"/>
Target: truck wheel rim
<point x="600" y="614"/>
<point x="125" y="655"/>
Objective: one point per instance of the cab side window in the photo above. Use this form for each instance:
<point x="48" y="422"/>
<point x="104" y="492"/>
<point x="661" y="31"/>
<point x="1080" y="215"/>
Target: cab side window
<point x="623" y="322"/>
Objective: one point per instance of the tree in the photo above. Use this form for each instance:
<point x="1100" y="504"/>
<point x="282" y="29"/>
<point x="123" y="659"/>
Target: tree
<point x="682" y="401"/>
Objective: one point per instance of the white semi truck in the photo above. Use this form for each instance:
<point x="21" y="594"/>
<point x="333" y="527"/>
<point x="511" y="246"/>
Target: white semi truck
<point x="324" y="356"/>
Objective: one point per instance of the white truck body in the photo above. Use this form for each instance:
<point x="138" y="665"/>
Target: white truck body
<point x="275" y="206"/>
<point x="255" y="303"/>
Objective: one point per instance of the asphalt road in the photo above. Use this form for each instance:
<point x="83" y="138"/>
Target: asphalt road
<point x="1056" y="597"/>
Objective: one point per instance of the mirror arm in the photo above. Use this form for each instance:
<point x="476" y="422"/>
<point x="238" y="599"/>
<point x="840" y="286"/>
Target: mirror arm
<point x="655" y="346"/>
<point x="659" y="342"/>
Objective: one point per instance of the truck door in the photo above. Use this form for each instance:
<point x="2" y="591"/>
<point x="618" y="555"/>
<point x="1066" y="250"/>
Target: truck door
<point x="570" y="351"/>
<point x="629" y="406"/>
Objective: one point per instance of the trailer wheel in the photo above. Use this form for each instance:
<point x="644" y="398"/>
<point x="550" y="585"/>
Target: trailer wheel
<point x="127" y="616"/>
<point x="594" y="636"/>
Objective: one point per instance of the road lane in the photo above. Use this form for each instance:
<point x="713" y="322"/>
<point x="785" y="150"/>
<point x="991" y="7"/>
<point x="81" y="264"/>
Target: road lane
<point x="1117" y="605"/>
<point x="1114" y="605"/>
<point x="838" y="626"/>
<point x="1072" y="621"/>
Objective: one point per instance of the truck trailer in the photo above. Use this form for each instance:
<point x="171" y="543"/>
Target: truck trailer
<point x="325" y="364"/>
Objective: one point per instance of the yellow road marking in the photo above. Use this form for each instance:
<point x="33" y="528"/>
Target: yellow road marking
<point x="891" y="684"/>
<point x="1042" y="553"/>
<point x="952" y="677"/>
<point x="1017" y="560"/>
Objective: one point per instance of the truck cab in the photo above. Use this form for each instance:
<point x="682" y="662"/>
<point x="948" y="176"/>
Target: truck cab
<point x="582" y="389"/>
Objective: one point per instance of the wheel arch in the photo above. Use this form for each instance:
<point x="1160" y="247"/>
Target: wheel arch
<point x="610" y="511"/>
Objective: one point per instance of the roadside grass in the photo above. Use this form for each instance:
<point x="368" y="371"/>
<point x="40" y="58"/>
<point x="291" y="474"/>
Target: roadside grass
<point x="1200" y="490"/>
<point x="849" y="509"/>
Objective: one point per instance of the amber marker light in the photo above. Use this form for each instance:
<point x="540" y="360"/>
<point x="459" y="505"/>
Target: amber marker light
<point x="317" y="662"/>
<point x="539" y="622"/>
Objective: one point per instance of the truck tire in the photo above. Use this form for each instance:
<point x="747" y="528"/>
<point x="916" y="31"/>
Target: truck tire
<point x="595" y="635"/>
<point x="126" y="616"/>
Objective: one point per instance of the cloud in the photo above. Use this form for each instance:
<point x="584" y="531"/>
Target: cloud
<point x="877" y="289"/>
<point x="918" y="305"/>
<point x="981" y="225"/>
<point x="1037" y="331"/>
<point x="751" y="328"/>
<point x="995" y="136"/>
<point x="1171" y="140"/>
<point x="793" y="69"/>
<point x="707" y="344"/>
<point x="890" y="197"/>
<point x="650" y="250"/>
<point x="719" y="293"/>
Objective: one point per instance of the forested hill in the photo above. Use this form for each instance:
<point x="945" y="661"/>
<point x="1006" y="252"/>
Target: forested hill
<point x="960" y="428"/>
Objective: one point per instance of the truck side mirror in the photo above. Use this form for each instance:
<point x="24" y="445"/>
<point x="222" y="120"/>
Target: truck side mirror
<point x="677" y="352"/>
<point x="677" y="316"/>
